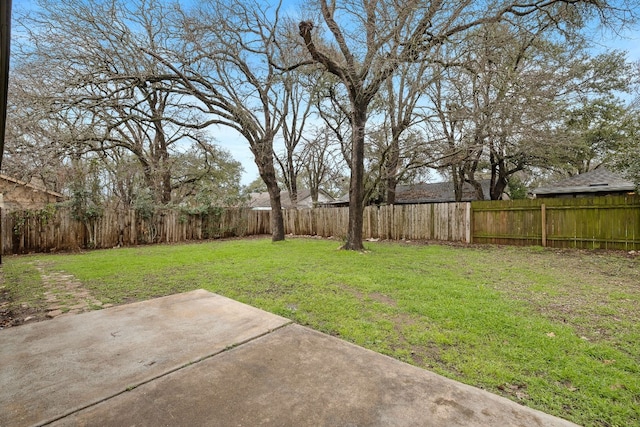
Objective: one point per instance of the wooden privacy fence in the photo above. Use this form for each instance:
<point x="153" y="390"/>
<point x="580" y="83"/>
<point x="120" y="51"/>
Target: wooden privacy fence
<point x="436" y="221"/>
<point x="611" y="222"/>
<point x="55" y="229"/>
<point x="599" y="222"/>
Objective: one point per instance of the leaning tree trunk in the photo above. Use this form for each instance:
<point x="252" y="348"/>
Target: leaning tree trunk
<point x="477" y="186"/>
<point x="356" y="187"/>
<point x="499" y="183"/>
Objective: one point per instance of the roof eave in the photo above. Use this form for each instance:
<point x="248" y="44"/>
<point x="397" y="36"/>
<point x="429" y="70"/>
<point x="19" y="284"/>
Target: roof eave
<point x="594" y="189"/>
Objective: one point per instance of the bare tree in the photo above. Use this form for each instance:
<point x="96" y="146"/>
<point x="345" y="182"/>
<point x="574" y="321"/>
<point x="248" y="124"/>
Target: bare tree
<point x="299" y="89"/>
<point x="503" y="97"/>
<point x="332" y="108"/>
<point x="400" y="98"/>
<point x="5" y="48"/>
<point x="320" y="158"/>
<point x="369" y="41"/>
<point x="225" y="63"/>
<point x="89" y="81"/>
<point x="448" y="123"/>
<point x="31" y="147"/>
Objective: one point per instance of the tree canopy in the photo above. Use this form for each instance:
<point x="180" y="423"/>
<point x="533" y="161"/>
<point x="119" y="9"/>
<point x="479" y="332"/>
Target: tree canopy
<point x="129" y="94"/>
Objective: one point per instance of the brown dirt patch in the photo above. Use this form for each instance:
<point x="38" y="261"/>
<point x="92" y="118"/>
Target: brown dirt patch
<point x="14" y="315"/>
<point x="64" y="295"/>
<point x="382" y="298"/>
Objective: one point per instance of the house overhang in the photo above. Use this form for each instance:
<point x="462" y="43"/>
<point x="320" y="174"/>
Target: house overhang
<point x="31" y="186"/>
<point x="586" y="189"/>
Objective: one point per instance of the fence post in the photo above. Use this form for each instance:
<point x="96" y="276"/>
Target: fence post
<point x="469" y="222"/>
<point x="543" y="211"/>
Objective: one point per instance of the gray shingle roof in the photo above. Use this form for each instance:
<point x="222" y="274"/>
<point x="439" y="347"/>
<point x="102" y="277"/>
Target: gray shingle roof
<point x="261" y="200"/>
<point x="439" y="192"/>
<point x="595" y="181"/>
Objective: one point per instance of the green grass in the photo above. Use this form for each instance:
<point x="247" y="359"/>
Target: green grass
<point x="558" y="331"/>
<point x="21" y="280"/>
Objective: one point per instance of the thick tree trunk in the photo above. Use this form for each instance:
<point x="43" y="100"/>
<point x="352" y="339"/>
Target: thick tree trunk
<point x="277" y="219"/>
<point x="166" y="186"/>
<point x="498" y="182"/>
<point x="499" y="177"/>
<point x="160" y="152"/>
<point x="498" y="189"/>
<point x="314" y="194"/>
<point x="264" y="161"/>
<point x="457" y="174"/>
<point x="356" y="187"/>
<point x="391" y="183"/>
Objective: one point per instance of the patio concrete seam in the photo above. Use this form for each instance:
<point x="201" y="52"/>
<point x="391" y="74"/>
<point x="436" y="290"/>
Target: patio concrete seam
<point x="161" y="375"/>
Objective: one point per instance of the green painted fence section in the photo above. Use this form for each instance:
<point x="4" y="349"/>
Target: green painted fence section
<point x="611" y="222"/>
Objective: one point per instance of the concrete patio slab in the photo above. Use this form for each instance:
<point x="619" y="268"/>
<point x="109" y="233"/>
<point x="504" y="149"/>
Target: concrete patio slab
<point x="53" y="368"/>
<point x="250" y="368"/>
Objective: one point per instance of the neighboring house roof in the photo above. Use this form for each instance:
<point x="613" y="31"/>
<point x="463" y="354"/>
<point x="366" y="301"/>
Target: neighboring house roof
<point x="439" y="192"/>
<point x="261" y="201"/>
<point x="599" y="180"/>
<point x="18" y="195"/>
<point x="32" y="186"/>
<point x="341" y="201"/>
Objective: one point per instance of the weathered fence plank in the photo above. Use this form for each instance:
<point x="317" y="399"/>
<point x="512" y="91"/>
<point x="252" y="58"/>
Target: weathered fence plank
<point x="40" y="231"/>
<point x="605" y="222"/>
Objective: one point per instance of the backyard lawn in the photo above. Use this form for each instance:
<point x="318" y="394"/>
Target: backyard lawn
<point x="558" y="331"/>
